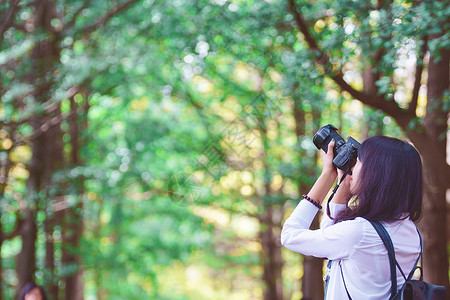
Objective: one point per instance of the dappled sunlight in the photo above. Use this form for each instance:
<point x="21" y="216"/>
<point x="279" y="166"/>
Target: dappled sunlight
<point x="154" y="149"/>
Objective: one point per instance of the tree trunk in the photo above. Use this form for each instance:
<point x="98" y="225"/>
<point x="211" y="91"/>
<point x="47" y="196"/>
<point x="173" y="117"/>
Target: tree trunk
<point x="270" y="223"/>
<point x="47" y="150"/>
<point x="312" y="279"/>
<point x="26" y="259"/>
<point x="52" y="285"/>
<point x="73" y="222"/>
<point x="70" y="258"/>
<point x="271" y="256"/>
<point x="434" y="223"/>
<point x="54" y="161"/>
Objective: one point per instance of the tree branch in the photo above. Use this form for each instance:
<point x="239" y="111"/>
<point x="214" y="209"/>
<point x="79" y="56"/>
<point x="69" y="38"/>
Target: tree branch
<point x="376" y="101"/>
<point x="418" y="78"/>
<point x="76" y="14"/>
<point x="303" y="26"/>
<point x="20" y="27"/>
<point x="105" y="18"/>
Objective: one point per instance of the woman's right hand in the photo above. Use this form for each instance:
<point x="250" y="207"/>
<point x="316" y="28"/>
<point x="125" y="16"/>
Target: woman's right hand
<point x="328" y="167"/>
<point x="326" y="180"/>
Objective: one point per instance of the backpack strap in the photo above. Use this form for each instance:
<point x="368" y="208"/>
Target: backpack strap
<point x="384" y="235"/>
<point x="420" y="257"/>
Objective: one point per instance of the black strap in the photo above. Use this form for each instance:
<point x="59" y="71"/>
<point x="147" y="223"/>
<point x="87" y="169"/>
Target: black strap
<point x="416" y="266"/>
<point x="391" y="253"/>
<point x="384" y="235"/>
<point x="417" y="261"/>
<point x="334" y="192"/>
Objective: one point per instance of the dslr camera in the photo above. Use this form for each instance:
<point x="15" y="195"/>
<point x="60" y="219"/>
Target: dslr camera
<point x="345" y="153"/>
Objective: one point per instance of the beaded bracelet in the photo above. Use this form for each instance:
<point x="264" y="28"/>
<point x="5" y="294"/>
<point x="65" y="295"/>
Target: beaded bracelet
<point x="316" y="204"/>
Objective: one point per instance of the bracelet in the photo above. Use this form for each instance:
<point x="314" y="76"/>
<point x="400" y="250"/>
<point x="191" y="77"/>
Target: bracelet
<point x="316" y="204"/>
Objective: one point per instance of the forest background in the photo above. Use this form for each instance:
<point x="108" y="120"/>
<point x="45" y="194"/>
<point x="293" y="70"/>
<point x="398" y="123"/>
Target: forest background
<point x="153" y="149"/>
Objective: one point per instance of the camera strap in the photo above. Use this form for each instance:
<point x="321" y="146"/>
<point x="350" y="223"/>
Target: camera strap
<point x="334" y="192"/>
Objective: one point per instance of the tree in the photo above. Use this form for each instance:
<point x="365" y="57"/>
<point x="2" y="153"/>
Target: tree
<point x="377" y="37"/>
<point x="110" y="110"/>
<point x="41" y="36"/>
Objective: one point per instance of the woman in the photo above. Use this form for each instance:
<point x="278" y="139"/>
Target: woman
<point x="32" y="291"/>
<point x="387" y="184"/>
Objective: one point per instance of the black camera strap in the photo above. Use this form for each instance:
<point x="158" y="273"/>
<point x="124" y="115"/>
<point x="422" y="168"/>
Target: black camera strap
<point x="334" y="191"/>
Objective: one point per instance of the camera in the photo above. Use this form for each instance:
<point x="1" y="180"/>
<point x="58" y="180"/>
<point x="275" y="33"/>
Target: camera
<point x="345" y="153"/>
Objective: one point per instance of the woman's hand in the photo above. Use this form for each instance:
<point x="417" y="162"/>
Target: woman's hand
<point x="326" y="180"/>
<point x="328" y="168"/>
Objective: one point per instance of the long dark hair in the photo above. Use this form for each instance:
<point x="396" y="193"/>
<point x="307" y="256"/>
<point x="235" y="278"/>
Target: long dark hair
<point x="30" y="286"/>
<point x="390" y="182"/>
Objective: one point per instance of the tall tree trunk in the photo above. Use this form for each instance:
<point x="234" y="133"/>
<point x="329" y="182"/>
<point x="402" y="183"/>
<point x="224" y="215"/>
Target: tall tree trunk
<point x="434" y="223"/>
<point x="271" y="256"/>
<point x="47" y="153"/>
<point x="52" y="285"/>
<point x="54" y="161"/>
<point x="270" y="224"/>
<point x="312" y="279"/>
<point x="73" y="225"/>
<point x="26" y="259"/>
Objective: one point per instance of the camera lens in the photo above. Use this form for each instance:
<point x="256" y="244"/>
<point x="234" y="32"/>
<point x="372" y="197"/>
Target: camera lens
<point x="344" y="152"/>
<point x="320" y="137"/>
<point x="324" y="135"/>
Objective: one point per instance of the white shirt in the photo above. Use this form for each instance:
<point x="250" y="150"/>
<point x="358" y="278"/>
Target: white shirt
<point x="363" y="256"/>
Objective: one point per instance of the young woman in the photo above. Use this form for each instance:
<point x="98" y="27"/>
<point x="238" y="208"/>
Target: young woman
<point x="32" y="291"/>
<point x="387" y="184"/>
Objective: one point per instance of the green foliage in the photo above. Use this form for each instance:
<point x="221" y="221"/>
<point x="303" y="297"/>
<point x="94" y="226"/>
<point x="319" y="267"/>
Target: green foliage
<point x="191" y="129"/>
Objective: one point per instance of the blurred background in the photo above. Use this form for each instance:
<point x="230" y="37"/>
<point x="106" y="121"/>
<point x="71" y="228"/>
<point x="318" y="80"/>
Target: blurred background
<point x="153" y="149"/>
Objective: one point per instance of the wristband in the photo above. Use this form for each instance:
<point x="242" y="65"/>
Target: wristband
<point x="316" y="204"/>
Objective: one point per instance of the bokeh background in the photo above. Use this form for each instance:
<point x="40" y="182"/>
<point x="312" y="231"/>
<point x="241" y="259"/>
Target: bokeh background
<point x="153" y="149"/>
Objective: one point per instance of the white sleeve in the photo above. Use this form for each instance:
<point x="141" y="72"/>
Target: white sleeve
<point x="335" y="209"/>
<point x="333" y="242"/>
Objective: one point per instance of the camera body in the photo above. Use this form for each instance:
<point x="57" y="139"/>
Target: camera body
<point x="345" y="153"/>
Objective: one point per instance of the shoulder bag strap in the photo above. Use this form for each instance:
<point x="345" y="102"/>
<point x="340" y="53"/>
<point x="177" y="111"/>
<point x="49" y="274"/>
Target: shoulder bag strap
<point x="420" y="257"/>
<point x="384" y="235"/>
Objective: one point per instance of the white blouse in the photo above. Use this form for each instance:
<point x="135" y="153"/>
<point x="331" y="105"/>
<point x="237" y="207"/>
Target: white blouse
<point x="363" y="256"/>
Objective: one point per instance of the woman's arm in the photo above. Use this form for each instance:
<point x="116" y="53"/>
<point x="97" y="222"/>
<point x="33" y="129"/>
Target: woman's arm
<point x="305" y="211"/>
<point x="335" y="241"/>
